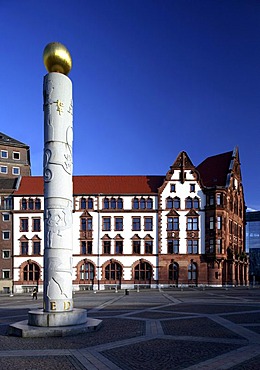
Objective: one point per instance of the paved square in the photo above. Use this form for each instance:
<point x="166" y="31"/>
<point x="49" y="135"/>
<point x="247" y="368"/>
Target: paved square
<point x="190" y="328"/>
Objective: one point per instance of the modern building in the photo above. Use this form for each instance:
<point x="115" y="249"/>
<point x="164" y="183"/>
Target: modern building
<point x="184" y="228"/>
<point x="253" y="245"/>
<point x="14" y="157"/>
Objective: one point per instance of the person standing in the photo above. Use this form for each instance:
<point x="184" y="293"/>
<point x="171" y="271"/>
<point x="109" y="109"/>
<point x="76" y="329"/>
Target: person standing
<point x="34" y="293"/>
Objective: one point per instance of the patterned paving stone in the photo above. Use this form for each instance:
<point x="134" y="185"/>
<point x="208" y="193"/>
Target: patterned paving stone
<point x="39" y="363"/>
<point x="211" y="308"/>
<point x="200" y="327"/>
<point x="252" y="364"/>
<point x="245" y="318"/>
<point x="171" y="354"/>
<point x="255" y="329"/>
<point x="111" y="330"/>
<point x="156" y="315"/>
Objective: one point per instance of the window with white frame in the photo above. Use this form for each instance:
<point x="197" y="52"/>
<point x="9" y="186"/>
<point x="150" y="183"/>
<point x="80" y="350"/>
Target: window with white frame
<point x="4" y="154"/>
<point x="16" y="170"/>
<point x="4" y="169"/>
<point x="8" y="202"/>
<point x="5" y="216"/>
<point x="6" y="235"/>
<point x="192" y="223"/>
<point x="6" y="274"/>
<point x="6" y="254"/>
<point x="16" y="155"/>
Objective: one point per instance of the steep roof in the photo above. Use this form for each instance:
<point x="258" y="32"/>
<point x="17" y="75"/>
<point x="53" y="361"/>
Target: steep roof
<point x="9" y="141"/>
<point x="214" y="170"/>
<point x="33" y="185"/>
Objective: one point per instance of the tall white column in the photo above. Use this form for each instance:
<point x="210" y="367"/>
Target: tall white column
<point x="57" y="172"/>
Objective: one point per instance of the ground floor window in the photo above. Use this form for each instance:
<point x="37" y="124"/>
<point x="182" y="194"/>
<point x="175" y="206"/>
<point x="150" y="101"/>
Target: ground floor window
<point x="174" y="272"/>
<point x="31" y="272"/>
<point x="87" y="271"/>
<point x="113" y="271"/>
<point x="192" y="273"/>
<point x="143" y="271"/>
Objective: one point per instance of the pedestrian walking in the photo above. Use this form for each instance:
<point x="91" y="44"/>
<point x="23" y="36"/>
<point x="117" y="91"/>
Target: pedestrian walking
<point x="34" y="293"/>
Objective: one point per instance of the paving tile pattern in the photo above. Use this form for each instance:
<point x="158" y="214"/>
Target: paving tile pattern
<point x="199" y="327"/>
<point x="158" y="329"/>
<point x="165" y="354"/>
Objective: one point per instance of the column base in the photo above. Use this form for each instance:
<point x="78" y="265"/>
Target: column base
<point x="47" y="324"/>
<point x="66" y="318"/>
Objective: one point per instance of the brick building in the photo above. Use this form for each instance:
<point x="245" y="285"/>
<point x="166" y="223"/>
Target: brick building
<point x="14" y="157"/>
<point x="186" y="227"/>
<point x="14" y="163"/>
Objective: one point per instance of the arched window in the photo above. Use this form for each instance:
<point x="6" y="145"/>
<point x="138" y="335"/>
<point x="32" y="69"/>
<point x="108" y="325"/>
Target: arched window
<point x="169" y="203"/>
<point x="120" y="203"/>
<point x="143" y="272"/>
<point x="142" y="203"/>
<point x="83" y="203"/>
<point x="24" y="204"/>
<point x="87" y="271"/>
<point x="106" y="203"/>
<point x="192" y="273"/>
<point x="176" y="203"/>
<point x="196" y="203"/>
<point x="136" y="203"/>
<point x="188" y="203"/>
<point x="90" y="203"/>
<point x="174" y="271"/>
<point x="37" y="203"/>
<point x="31" y="272"/>
<point x="149" y="203"/>
<point x="113" y="203"/>
<point x="31" y="204"/>
<point x="113" y="271"/>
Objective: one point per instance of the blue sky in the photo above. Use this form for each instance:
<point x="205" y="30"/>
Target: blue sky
<point x="150" y="77"/>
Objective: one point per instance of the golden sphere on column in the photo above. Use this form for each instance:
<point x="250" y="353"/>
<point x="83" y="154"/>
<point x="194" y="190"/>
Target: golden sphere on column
<point x="57" y="58"/>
